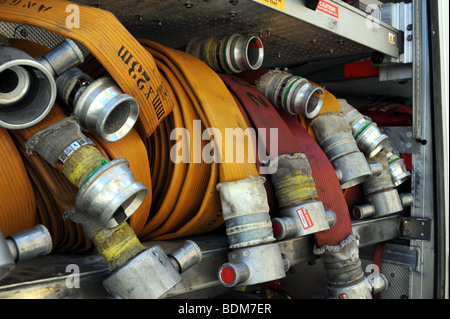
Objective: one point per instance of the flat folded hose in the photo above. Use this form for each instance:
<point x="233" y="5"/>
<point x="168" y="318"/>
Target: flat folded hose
<point x="294" y="138"/>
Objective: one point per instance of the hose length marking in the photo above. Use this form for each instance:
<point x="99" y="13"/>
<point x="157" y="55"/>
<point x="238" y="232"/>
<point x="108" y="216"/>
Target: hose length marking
<point x="135" y="68"/>
<point x="73" y="147"/>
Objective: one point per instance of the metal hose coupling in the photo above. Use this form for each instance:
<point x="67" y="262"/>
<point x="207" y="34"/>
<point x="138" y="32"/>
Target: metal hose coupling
<point x="27" y="85"/>
<point x="300" y="212"/>
<point x="294" y="94"/>
<point x="100" y="105"/>
<point x="335" y="137"/>
<point x="380" y="196"/>
<point x="137" y="272"/>
<point x="254" y="255"/>
<point x="368" y="136"/>
<point x="107" y="189"/>
<point x="397" y="168"/>
<point x="230" y="53"/>
<point x="345" y="276"/>
<point x="21" y="246"/>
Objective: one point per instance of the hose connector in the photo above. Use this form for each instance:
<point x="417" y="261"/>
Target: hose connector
<point x="27" y="85"/>
<point x="397" y="169"/>
<point x="300" y="212"/>
<point x="107" y="189"/>
<point x="249" y="229"/>
<point x="294" y="94"/>
<point x="334" y="136"/>
<point x="152" y="273"/>
<point x="344" y="273"/>
<point x="100" y="105"/>
<point x="368" y="136"/>
<point x="24" y="245"/>
<point x="230" y="53"/>
<point x="27" y="89"/>
<point x="136" y="272"/>
<point x="62" y="57"/>
<point x="380" y="196"/>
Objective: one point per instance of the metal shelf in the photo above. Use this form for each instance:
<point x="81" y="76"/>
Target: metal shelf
<point x="46" y="276"/>
<point x="291" y="37"/>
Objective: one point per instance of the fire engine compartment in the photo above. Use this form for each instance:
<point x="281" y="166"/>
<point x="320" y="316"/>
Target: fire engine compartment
<point x="321" y="48"/>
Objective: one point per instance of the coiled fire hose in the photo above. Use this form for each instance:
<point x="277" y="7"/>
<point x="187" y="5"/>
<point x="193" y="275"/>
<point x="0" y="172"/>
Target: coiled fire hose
<point x="293" y="138"/>
<point x="127" y="62"/>
<point x="337" y="246"/>
<point x="198" y="90"/>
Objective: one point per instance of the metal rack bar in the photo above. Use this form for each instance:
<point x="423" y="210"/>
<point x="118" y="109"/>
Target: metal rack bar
<point x="342" y="19"/>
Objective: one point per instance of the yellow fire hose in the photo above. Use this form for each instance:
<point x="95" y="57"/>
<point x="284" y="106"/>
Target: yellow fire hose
<point x="182" y="198"/>
<point x="129" y="64"/>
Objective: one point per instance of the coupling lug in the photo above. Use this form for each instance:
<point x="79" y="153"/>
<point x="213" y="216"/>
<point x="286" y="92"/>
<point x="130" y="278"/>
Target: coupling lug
<point x="253" y="265"/>
<point x="303" y="219"/>
<point x="24" y="245"/>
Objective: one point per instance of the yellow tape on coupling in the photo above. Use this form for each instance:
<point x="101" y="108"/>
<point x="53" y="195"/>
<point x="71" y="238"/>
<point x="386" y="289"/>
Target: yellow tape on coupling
<point x="82" y="163"/>
<point x="294" y="189"/>
<point x="117" y="245"/>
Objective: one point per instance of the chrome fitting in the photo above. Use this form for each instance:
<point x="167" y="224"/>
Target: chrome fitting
<point x="152" y="273"/>
<point x="246" y="212"/>
<point x="380" y="196"/>
<point x="252" y="265"/>
<point x="108" y="189"/>
<point x="27" y="89"/>
<point x="100" y="105"/>
<point x="364" y="289"/>
<point x="238" y="52"/>
<point x="24" y="245"/>
<point x="112" y="194"/>
<point x="250" y="235"/>
<point x="62" y="57"/>
<point x="368" y="136"/>
<point x="334" y="135"/>
<point x="291" y="93"/>
<point x="186" y="256"/>
<point x="303" y="219"/>
<point x="300" y="213"/>
<point x="397" y="169"/>
<point x="344" y="273"/>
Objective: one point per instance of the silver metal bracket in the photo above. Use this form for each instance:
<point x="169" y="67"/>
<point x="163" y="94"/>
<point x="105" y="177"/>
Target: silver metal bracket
<point x="415" y="228"/>
<point x="401" y="138"/>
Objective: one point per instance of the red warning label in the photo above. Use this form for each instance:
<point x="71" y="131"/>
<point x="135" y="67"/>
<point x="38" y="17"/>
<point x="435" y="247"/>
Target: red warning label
<point x="328" y="8"/>
<point x="304" y="217"/>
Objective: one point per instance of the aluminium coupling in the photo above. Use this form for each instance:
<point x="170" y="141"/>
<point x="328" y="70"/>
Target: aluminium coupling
<point x="397" y="168"/>
<point x="230" y="53"/>
<point x="334" y="136"/>
<point x="25" y="245"/>
<point x="27" y="89"/>
<point x="300" y="213"/>
<point x="255" y="256"/>
<point x="345" y="276"/>
<point x="380" y="196"/>
<point x="368" y="136"/>
<point x="294" y="94"/>
<point x="107" y="189"/>
<point x="100" y="105"/>
<point x="303" y="219"/>
<point x="363" y="289"/>
<point x="253" y="265"/>
<point x="27" y="85"/>
<point x="62" y="57"/>
<point x="152" y="273"/>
